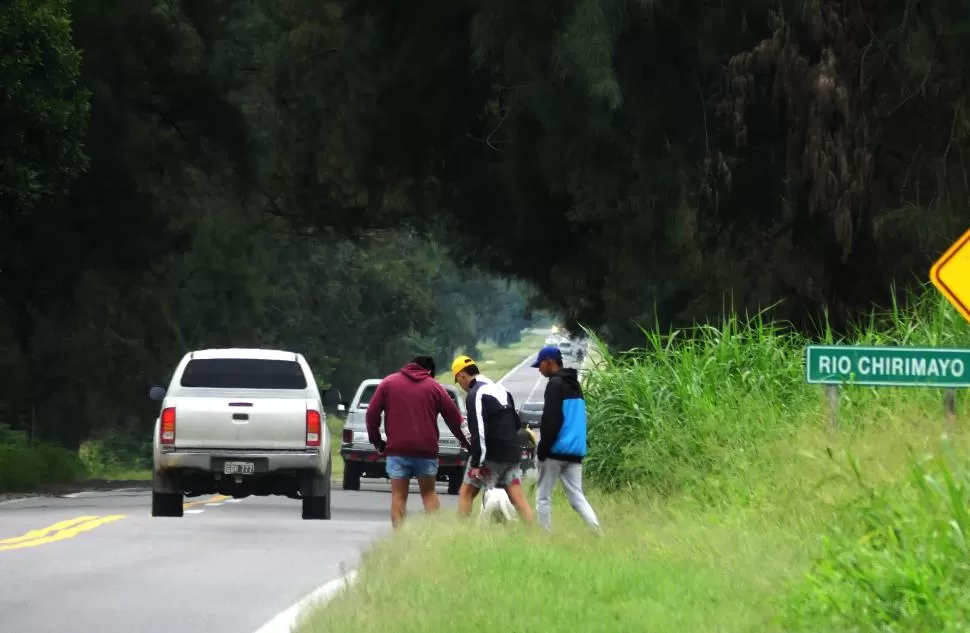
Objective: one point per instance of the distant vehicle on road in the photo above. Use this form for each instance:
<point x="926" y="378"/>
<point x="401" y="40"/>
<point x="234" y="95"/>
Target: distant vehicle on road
<point x="241" y="422"/>
<point x="361" y="459"/>
<point x="531" y="414"/>
<point x="568" y="346"/>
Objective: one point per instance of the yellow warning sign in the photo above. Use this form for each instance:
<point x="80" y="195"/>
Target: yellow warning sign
<point x="951" y="275"/>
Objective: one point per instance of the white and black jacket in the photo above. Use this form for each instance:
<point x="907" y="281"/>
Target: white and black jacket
<point x="493" y="423"/>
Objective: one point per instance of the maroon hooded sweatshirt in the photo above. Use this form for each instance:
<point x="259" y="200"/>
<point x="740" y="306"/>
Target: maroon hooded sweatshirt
<point x="411" y="400"/>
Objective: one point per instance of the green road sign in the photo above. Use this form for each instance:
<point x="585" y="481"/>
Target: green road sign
<point x="887" y="366"/>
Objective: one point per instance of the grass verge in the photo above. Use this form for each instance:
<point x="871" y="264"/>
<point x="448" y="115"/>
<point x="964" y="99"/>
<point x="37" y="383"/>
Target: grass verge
<point x="729" y="504"/>
<point x="335" y="425"/>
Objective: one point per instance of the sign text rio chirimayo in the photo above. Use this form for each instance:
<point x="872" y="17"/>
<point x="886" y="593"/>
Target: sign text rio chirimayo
<point x="887" y="366"/>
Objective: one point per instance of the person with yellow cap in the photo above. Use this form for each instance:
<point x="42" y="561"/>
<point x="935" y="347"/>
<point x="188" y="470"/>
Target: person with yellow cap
<point x="493" y="424"/>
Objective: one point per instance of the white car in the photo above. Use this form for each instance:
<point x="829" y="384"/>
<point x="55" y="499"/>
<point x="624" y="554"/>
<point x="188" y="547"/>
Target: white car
<point x="241" y="422"/>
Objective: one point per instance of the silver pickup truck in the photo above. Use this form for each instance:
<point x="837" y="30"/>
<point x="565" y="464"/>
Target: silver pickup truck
<point x="241" y="422"/>
<point x="361" y="459"/>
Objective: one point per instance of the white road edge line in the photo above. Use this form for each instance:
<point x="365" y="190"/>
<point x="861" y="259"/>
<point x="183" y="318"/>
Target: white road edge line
<point x="285" y="621"/>
<point x="535" y="388"/>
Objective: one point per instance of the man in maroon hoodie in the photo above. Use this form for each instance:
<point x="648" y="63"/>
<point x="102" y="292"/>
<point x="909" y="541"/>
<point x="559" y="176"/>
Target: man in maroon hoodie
<point x="411" y="400"/>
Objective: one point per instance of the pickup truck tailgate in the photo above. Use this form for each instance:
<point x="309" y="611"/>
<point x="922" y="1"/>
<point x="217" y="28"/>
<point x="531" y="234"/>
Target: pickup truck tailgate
<point x="240" y="423"/>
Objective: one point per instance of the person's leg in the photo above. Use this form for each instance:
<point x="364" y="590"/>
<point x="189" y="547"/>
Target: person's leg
<point x="572" y="480"/>
<point x="467" y="493"/>
<point x="548" y="476"/>
<point x="426" y="470"/>
<point x="466" y="498"/>
<point x="509" y="477"/>
<point x="517" y="497"/>
<point x="399" y="471"/>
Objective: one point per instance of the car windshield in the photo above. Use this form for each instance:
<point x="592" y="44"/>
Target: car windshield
<point x="366" y="396"/>
<point x="243" y="373"/>
<point x="532" y="406"/>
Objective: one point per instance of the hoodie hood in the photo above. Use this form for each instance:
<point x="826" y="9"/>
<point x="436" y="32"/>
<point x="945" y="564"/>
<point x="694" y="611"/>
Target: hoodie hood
<point x="415" y="372"/>
<point x="569" y="375"/>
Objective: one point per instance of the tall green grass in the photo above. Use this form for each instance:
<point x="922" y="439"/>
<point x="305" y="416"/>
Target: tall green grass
<point x="695" y="407"/>
<point x="728" y="504"/>
<point x="899" y="561"/>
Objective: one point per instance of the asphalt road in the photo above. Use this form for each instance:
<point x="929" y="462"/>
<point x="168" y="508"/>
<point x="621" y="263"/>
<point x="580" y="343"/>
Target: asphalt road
<point x="97" y="562"/>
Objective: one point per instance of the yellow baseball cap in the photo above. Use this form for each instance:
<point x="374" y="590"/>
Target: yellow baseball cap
<point x="460" y="363"/>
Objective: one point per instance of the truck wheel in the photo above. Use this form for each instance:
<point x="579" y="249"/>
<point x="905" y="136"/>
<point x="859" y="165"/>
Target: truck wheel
<point x="351" y="476"/>
<point x="166" y="504"/>
<point x="317" y="508"/>
<point x="454" y="484"/>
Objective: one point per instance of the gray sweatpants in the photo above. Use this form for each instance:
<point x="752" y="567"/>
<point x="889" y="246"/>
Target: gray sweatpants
<point x="571" y="475"/>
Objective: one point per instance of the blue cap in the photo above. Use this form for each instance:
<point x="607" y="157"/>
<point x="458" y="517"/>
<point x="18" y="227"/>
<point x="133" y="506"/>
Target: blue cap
<point x="549" y="352"/>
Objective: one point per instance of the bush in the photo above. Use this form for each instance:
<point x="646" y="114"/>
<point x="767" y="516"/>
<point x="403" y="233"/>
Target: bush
<point x="24" y="468"/>
<point x="116" y="455"/>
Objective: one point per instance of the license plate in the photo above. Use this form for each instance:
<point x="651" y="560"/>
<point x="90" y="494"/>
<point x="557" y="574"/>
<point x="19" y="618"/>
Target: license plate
<point x="239" y="468"/>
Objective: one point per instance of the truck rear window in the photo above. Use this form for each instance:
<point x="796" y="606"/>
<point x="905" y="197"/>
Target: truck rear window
<point x="243" y="373"/>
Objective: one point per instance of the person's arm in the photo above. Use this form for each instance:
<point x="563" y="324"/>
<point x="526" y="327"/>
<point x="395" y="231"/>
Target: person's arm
<point x="452" y="416"/>
<point x="476" y="428"/>
<point x="373" y="418"/>
<point x="551" y="422"/>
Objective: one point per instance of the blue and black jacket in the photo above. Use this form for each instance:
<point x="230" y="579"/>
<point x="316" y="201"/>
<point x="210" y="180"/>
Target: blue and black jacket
<point x="562" y="431"/>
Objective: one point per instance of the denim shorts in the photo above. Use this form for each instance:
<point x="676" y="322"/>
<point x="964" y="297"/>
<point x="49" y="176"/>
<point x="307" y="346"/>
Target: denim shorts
<point x="408" y="467"/>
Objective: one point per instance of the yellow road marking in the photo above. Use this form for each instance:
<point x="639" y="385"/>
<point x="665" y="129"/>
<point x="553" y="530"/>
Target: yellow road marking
<point x="35" y="534"/>
<point x="81" y="524"/>
<point x="72" y="527"/>
<point x="212" y="499"/>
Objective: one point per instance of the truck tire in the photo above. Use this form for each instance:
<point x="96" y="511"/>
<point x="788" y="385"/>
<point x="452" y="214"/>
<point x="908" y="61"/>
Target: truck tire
<point x="317" y="507"/>
<point x="166" y="504"/>
<point x="454" y="484"/>
<point x="351" y="476"/>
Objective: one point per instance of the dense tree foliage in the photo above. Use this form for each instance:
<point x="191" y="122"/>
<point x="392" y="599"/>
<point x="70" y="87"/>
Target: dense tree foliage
<point x="655" y="159"/>
<point x="339" y="176"/>
<point x="148" y="206"/>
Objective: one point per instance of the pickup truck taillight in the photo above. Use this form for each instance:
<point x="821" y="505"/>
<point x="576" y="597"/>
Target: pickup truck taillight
<point x="166" y="431"/>
<point x="312" y="428"/>
<point x="347" y="436"/>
